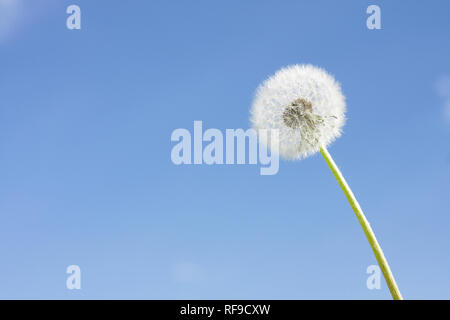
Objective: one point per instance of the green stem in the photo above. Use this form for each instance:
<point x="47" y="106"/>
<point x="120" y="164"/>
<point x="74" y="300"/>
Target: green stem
<point x="382" y="262"/>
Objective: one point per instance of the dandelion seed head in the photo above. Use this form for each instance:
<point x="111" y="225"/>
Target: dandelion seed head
<point x="305" y="104"/>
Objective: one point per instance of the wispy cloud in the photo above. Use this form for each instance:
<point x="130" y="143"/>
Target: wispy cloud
<point x="186" y="272"/>
<point x="443" y="89"/>
<point x="10" y="14"/>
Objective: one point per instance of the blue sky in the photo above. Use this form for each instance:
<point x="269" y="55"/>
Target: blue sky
<point x="86" y="176"/>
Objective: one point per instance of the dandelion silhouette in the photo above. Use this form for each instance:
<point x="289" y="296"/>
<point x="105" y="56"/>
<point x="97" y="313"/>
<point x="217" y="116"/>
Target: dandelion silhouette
<point x="307" y="106"/>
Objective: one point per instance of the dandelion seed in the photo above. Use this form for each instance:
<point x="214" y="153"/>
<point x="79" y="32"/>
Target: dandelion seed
<point x="307" y="106"/>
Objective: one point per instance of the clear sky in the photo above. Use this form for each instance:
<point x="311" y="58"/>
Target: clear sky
<point x="86" y="176"/>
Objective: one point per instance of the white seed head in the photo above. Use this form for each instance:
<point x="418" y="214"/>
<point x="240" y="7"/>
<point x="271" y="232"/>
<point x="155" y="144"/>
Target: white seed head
<point x="305" y="104"/>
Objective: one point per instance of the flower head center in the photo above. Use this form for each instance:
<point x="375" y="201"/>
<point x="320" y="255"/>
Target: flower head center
<point x="296" y="113"/>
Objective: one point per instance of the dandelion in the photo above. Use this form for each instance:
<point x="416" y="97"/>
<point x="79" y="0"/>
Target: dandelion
<point x="307" y="106"/>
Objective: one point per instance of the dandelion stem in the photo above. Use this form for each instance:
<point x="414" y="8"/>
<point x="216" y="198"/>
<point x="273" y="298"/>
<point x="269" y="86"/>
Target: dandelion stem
<point x="382" y="262"/>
